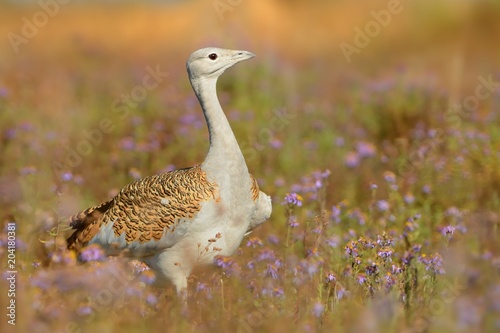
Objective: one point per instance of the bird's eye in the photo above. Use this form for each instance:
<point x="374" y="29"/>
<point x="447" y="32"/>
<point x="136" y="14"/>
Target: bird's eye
<point x="212" y="56"/>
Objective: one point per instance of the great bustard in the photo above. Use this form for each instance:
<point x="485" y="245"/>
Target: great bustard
<point x="177" y="220"/>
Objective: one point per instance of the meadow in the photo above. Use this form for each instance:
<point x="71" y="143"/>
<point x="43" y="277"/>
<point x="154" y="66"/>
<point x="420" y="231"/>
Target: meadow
<point x="374" y="128"/>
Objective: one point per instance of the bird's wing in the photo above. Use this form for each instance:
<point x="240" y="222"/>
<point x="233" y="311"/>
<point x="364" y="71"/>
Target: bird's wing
<point x="85" y="225"/>
<point x="263" y="206"/>
<point x="147" y="208"/>
<point x="255" y="188"/>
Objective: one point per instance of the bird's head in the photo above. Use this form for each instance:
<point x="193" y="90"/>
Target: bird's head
<point x="211" y="62"/>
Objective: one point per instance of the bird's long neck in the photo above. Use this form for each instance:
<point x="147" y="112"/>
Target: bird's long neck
<point x="224" y="154"/>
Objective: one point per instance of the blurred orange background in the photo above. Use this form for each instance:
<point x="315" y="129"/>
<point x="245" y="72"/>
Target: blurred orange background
<point x="424" y="35"/>
<point x="88" y="47"/>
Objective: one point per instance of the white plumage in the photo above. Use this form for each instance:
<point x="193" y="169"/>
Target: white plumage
<point x="180" y="219"/>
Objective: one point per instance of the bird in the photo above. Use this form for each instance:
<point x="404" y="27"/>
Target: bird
<point x="178" y="220"/>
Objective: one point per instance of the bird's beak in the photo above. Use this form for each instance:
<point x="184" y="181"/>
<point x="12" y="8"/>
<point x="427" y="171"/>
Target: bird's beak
<point x="242" y="55"/>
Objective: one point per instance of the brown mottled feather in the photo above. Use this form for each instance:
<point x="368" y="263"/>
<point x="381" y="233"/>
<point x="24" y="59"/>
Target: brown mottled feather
<point x="254" y="188"/>
<point x="144" y="208"/>
<point x="86" y="225"/>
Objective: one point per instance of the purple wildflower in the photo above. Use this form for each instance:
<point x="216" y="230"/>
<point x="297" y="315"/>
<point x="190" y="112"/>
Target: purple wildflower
<point x="312" y="252"/>
<point x="26" y="126"/>
<point x="254" y="242"/>
<point x="136" y="120"/>
<point x="336" y="214"/>
<point x="317" y="230"/>
<point x="454" y="211"/>
<point x="267" y="291"/>
<point x="318" y="309"/>
<point x="361" y="278"/>
<point x="351" y="249"/>
<point x="127" y="143"/>
<point x="352" y="159"/>
<point x="433" y="263"/>
<point x="309" y="266"/>
<point x="367" y="243"/>
<point x="139" y="267"/>
<point x="273" y="239"/>
<point x="359" y="216"/>
<point x="169" y="167"/>
<point x="427" y="189"/>
<point x="10" y="133"/>
<point x="279" y="182"/>
<point x="272" y="271"/>
<point x="191" y="119"/>
<point x="299" y="187"/>
<point x="384" y="240"/>
<point x="371" y="269"/>
<point x="341" y="293"/>
<point x="56" y="257"/>
<point x="407" y="257"/>
<point x="151" y="300"/>
<point x="293" y="199"/>
<point x="385" y="253"/>
<point x="330" y="277"/>
<point x="292" y="222"/>
<point x="223" y="262"/>
<point x="84" y="310"/>
<point x="266" y="254"/>
<point x="28" y="170"/>
<point x="487" y="255"/>
<point x="390" y="281"/>
<point x="410" y="226"/>
<point x="276" y="143"/>
<point x="319" y="175"/>
<point x="396" y="269"/>
<point x="278" y="292"/>
<point x="390" y="177"/>
<point x="234" y="115"/>
<point x="229" y="266"/>
<point x="447" y="231"/>
<point x="409" y="198"/>
<point x="333" y="241"/>
<point x="201" y="287"/>
<point x="274" y="292"/>
<point x="67" y="176"/>
<point x="4" y="91"/>
<point x="92" y="253"/>
<point x="148" y="277"/>
<point x="42" y="280"/>
<point x="366" y="149"/>
<point x="416" y="248"/>
<point x="134" y="173"/>
<point x="462" y="228"/>
<point x="309" y="185"/>
<point x="383" y="205"/>
<point x="133" y="291"/>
